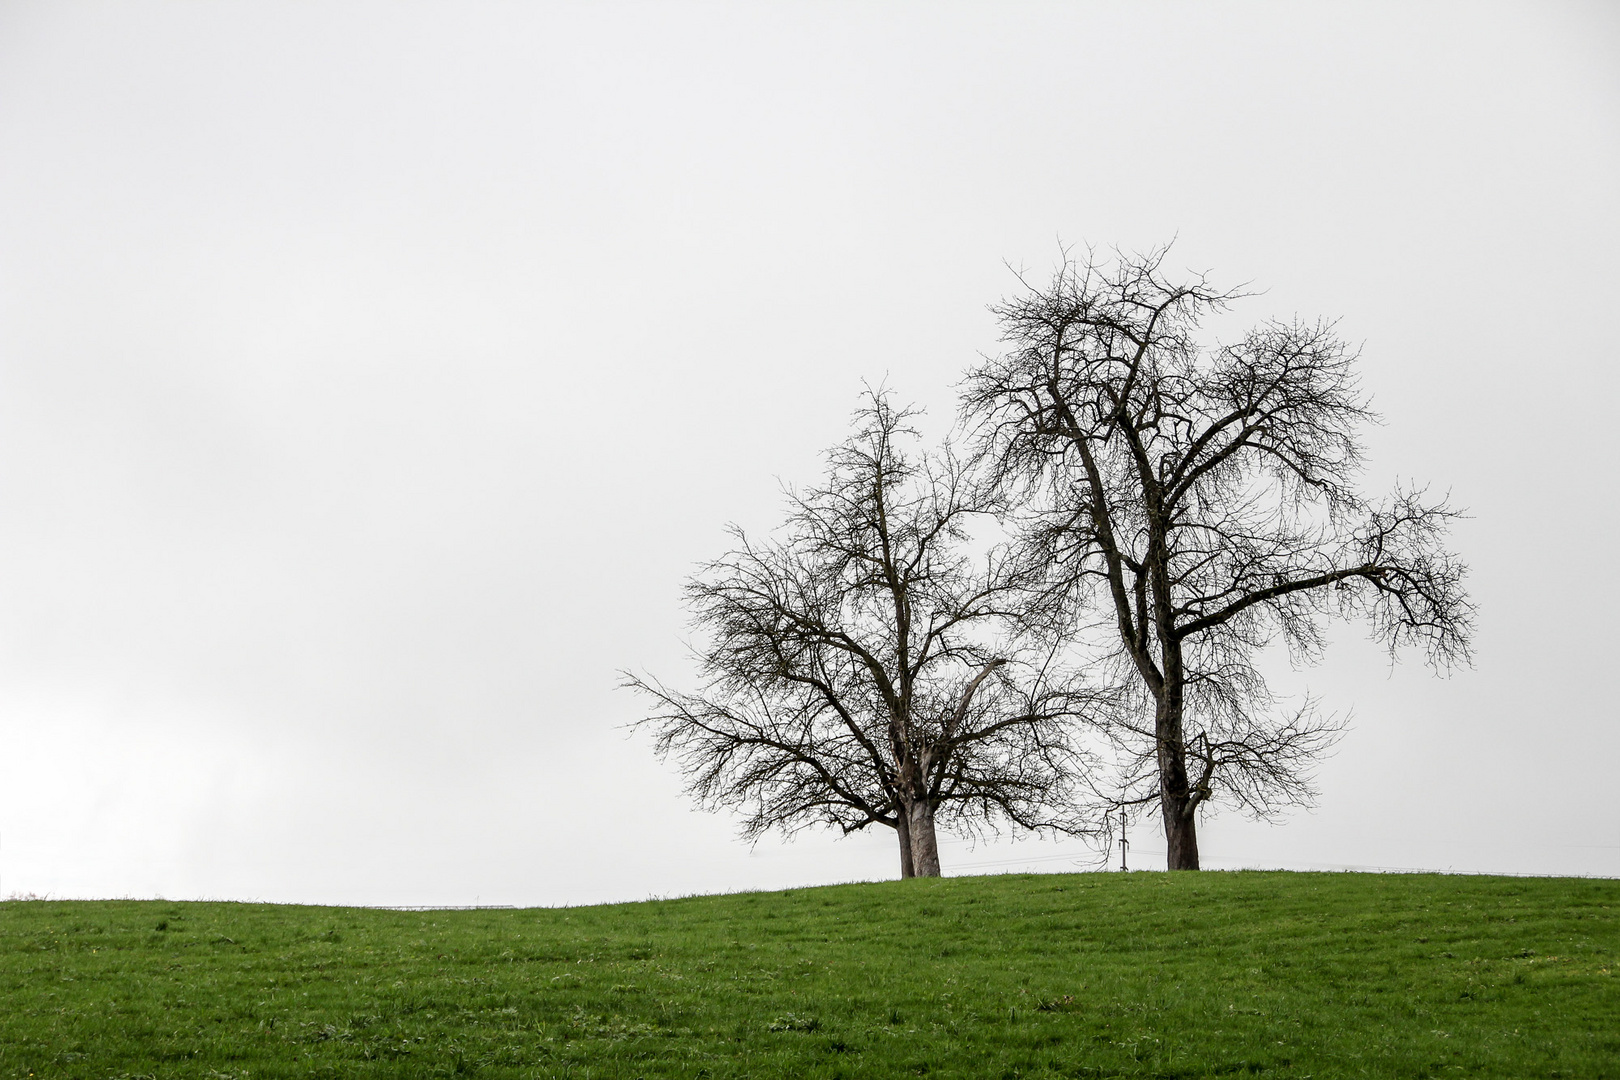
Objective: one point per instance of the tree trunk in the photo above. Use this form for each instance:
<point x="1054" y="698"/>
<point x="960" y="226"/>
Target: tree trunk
<point x="1180" y="828"/>
<point x="1180" y="835"/>
<point x="903" y="827"/>
<point x="924" y="845"/>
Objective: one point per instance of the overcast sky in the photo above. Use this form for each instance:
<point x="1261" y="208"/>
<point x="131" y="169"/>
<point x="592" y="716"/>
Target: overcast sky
<point x="372" y="375"/>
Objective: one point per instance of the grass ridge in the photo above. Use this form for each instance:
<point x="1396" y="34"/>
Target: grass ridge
<point x="1145" y="974"/>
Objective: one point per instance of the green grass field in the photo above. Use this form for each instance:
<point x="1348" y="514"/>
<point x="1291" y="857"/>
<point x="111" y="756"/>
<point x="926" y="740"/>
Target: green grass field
<point x="1089" y="975"/>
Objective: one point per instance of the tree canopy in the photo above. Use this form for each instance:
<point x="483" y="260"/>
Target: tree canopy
<point x="876" y="664"/>
<point x="1206" y="496"/>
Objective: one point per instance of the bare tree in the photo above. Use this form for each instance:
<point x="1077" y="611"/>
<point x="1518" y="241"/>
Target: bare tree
<point x="1207" y="496"/>
<point x="870" y="668"/>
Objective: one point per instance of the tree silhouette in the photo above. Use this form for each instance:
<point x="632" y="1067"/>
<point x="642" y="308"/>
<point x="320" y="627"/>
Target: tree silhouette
<point x="1205" y="496"/>
<point x="875" y="665"/>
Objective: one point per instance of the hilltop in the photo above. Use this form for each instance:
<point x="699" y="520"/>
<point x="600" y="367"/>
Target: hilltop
<point x="1085" y="975"/>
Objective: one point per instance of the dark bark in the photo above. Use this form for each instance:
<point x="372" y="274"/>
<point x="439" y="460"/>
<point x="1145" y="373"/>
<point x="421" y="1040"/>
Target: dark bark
<point x="902" y="828"/>
<point x="1180" y="835"/>
<point x="1175" y="800"/>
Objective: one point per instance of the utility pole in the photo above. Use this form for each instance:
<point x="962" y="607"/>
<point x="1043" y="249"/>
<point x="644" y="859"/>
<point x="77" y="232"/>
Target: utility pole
<point x="1123" y="843"/>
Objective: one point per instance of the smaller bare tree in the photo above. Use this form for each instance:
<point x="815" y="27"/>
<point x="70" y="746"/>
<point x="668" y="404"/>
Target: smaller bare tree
<point x="870" y="669"/>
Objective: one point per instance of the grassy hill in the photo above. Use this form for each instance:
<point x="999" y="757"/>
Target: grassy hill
<point x="1091" y="975"/>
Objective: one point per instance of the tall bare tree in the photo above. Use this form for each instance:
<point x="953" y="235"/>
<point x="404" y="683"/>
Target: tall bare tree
<point x="876" y="666"/>
<point x="1206" y="495"/>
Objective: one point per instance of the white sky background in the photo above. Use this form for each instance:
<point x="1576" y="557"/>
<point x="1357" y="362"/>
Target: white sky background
<point x="371" y="376"/>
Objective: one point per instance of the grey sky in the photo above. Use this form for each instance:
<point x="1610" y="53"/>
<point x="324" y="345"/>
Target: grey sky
<point x="372" y="375"/>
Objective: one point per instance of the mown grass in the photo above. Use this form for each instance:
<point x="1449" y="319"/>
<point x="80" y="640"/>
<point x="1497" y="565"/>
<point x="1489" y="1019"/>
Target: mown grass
<point x="1131" y="975"/>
